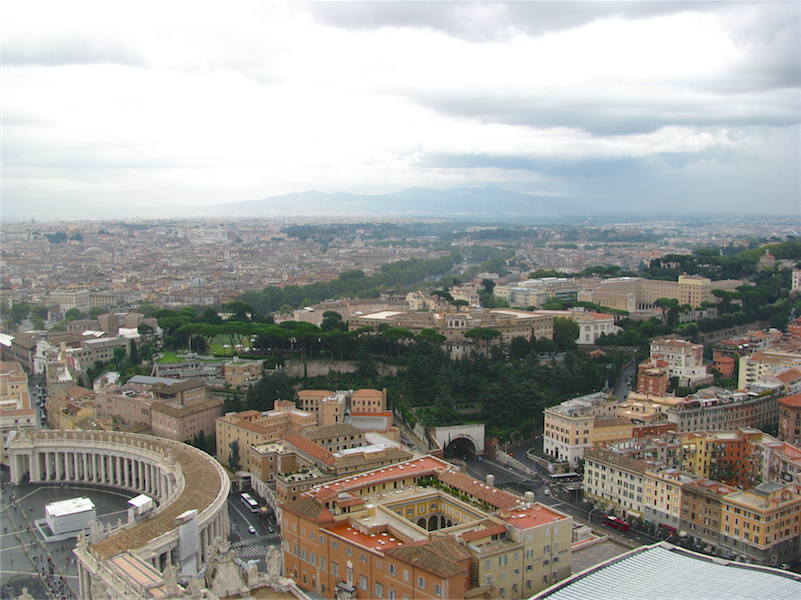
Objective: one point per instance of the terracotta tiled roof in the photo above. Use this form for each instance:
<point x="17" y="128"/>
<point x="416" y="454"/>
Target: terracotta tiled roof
<point x="368" y="394"/>
<point x="450" y="549"/>
<point x="314" y="450"/>
<point x="791" y="401"/>
<point x="486" y="493"/>
<point x="314" y="394"/>
<point x="423" y="558"/>
<point x="477" y="534"/>
<point x="789" y="375"/>
<point x="309" y="509"/>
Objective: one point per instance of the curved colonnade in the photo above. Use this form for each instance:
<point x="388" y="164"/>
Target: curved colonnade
<point x="179" y="477"/>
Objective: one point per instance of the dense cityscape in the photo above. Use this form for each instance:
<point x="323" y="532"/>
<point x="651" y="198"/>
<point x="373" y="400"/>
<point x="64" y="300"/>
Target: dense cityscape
<point x="433" y="397"/>
<point x="400" y="300"/>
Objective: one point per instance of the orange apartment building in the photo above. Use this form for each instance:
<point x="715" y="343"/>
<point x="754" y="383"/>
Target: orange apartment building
<point x="790" y="419"/>
<point x="389" y="533"/>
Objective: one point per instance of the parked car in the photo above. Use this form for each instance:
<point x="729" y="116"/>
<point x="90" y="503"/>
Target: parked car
<point x="270" y="529"/>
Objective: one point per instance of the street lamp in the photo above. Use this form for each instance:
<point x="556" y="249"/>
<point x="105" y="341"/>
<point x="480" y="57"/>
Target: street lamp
<point x="589" y="516"/>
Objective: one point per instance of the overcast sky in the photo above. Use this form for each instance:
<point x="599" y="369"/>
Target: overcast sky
<point x="680" y="104"/>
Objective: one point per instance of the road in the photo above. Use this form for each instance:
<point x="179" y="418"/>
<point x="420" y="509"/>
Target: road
<point x="250" y="546"/>
<point x="621" y="389"/>
<point x="519" y="483"/>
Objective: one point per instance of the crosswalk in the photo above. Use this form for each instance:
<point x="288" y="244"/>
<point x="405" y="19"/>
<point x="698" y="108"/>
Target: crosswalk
<point x="251" y="540"/>
<point x="254" y="547"/>
<point x="252" y="552"/>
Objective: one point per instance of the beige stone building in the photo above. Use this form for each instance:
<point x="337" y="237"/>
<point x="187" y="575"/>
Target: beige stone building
<point x="239" y="372"/>
<point x="368" y="401"/>
<point x="16" y="411"/>
<point x="454" y="324"/>
<point x="252" y="427"/>
<point x="181" y="422"/>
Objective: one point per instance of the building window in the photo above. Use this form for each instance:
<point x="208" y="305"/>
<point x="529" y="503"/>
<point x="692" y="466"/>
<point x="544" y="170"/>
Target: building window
<point x="405" y="575"/>
<point x="334" y="544"/>
<point x="391" y="569"/>
<point x="390" y="594"/>
<point x="363" y="557"/>
<point x="363" y="582"/>
<point x="437" y="589"/>
<point x="421" y="583"/>
<point x="350" y="552"/>
<point x="379" y="590"/>
<point x="334" y="568"/>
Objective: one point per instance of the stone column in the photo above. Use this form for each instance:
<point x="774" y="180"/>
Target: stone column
<point x="59" y="471"/>
<point x="36" y="466"/>
<point x="48" y="471"/>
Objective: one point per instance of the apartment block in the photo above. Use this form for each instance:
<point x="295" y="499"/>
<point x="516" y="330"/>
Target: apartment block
<point x="16" y="411"/>
<point x="760" y="525"/>
<point x="790" y="419"/>
<point x="755" y="367"/>
<point x="685" y="360"/>
<point x="69" y="299"/>
<point x="653" y="377"/>
<point x="329" y="407"/>
<point x="576" y="425"/>
<point x="252" y="427"/>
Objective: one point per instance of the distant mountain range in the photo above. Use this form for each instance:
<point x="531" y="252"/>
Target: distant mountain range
<point x="480" y="202"/>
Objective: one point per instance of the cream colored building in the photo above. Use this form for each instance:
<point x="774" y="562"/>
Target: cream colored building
<point x="576" y="425"/>
<point x="16" y="411"/>
<point x="252" y="427"/>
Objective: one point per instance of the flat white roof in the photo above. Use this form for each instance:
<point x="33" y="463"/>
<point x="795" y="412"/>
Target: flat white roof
<point x="664" y="572"/>
<point x="69" y="507"/>
<point x="383" y="314"/>
<point x="363" y="449"/>
<point x="140" y="500"/>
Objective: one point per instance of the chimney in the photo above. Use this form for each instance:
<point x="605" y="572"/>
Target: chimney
<point x="491" y="480"/>
<point x="529" y="496"/>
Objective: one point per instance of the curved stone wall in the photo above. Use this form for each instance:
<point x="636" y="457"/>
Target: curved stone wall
<point x="179" y="477"/>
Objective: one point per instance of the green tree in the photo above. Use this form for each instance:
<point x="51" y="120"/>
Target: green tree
<point x="233" y="458"/>
<point x="19" y="312"/>
<point x="565" y="333"/>
<point x="73" y="314"/>
<point x="367" y="369"/>
<point x="96" y="311"/>
<point x="39" y="311"/>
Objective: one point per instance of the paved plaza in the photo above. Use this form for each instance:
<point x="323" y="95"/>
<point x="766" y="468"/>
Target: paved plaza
<point x="27" y="559"/>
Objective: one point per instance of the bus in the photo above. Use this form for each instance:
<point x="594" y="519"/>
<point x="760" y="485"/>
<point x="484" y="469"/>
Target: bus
<point x="250" y="503"/>
<point x="615" y="522"/>
<point x="565" y="477"/>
